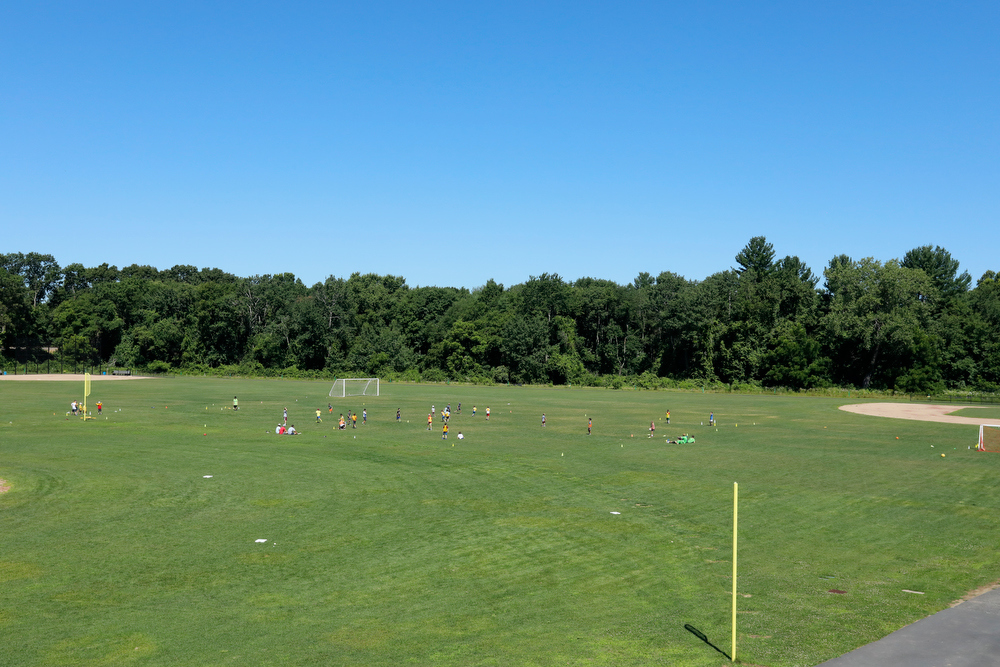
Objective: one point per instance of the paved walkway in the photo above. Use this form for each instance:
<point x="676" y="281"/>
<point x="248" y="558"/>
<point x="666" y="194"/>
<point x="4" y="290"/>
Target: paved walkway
<point x="967" y="635"/>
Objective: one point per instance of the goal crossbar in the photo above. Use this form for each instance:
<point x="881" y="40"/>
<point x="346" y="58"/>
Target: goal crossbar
<point x="344" y="387"/>
<point x="989" y="438"/>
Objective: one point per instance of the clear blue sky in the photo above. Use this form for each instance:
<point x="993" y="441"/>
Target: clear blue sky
<point x="453" y="142"/>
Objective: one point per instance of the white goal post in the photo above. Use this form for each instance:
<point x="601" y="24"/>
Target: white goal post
<point x="344" y="387"/>
<point x="989" y="438"/>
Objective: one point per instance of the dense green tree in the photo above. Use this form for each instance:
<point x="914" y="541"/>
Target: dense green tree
<point x="876" y="315"/>
<point x="794" y="359"/>
<point x="939" y="266"/>
<point x="14" y="309"/>
<point x="756" y="258"/>
<point x="91" y="323"/>
<point x="40" y="273"/>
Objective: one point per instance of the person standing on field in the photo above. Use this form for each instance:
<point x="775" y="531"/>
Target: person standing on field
<point x="364" y="416"/>
<point x="99" y="404"/>
<point x="430" y="420"/>
<point x="652" y="429"/>
<point x="444" y="432"/>
<point x="543" y="419"/>
<point x="711" y="419"/>
<point x="487" y="414"/>
<point x="590" y="424"/>
<point x="319" y="412"/>
<point x="668" y="417"/>
<point x="397" y="414"/>
<point x="236" y="403"/>
<point x="286" y="416"/>
<point x="354" y="420"/>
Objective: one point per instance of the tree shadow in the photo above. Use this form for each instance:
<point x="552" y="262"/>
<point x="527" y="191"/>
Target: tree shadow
<point x="701" y="635"/>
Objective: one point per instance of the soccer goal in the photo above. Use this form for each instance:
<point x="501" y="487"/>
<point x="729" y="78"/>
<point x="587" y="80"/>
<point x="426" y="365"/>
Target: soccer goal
<point x="989" y="438"/>
<point x="344" y="387"/>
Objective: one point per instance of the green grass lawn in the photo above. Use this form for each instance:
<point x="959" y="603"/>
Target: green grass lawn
<point x="387" y="545"/>
<point x="990" y="414"/>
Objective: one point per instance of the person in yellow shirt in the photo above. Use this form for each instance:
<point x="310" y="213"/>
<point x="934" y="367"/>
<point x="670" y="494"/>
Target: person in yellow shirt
<point x="444" y="432"/>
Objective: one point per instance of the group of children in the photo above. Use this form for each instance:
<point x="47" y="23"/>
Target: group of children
<point x="445" y="418"/>
<point x="77" y="408"/>
<point x="352" y="419"/>
<point x="682" y="440"/>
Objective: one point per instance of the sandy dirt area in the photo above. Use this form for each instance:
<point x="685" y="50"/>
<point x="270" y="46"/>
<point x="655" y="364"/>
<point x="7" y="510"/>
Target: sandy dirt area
<point x="68" y="377"/>
<point x="919" y="412"/>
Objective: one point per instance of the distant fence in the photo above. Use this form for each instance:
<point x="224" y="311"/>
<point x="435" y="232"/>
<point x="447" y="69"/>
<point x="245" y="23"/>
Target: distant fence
<point x="56" y="367"/>
<point x="971" y="399"/>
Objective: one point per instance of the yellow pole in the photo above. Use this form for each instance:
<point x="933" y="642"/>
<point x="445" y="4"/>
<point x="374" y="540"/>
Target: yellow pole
<point x="86" y="393"/>
<point x="736" y="505"/>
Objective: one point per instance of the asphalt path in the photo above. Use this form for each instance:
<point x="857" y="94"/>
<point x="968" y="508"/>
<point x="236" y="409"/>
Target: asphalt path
<point x="967" y="635"/>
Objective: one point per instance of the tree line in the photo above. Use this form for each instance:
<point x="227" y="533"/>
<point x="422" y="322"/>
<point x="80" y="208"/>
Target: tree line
<point x="913" y="324"/>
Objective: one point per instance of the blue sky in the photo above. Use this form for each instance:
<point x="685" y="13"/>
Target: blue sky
<point x="451" y="143"/>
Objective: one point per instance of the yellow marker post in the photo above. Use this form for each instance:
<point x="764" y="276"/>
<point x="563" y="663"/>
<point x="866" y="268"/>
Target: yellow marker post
<point x="736" y="505"/>
<point x="86" y="393"/>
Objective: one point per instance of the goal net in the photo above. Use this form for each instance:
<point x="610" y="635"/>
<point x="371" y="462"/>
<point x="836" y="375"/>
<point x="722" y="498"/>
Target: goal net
<point x="989" y="438"/>
<point x="344" y="387"/>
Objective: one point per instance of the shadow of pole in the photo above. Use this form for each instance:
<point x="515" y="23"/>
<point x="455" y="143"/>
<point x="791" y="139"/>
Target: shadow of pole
<point x="701" y="635"/>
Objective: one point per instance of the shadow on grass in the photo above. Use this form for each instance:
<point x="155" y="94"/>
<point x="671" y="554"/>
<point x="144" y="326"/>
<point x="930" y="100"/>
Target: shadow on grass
<point x="701" y="635"/>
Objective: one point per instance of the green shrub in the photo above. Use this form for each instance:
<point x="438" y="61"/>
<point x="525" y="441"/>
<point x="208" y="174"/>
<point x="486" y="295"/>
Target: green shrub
<point x="434" y="375"/>
<point x="157" y="367"/>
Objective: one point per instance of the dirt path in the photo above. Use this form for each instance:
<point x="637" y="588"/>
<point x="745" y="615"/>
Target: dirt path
<point x="919" y="412"/>
<point x="68" y="377"/>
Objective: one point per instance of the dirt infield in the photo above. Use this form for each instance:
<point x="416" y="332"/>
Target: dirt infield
<point x="917" y="411"/>
<point x="68" y="377"/>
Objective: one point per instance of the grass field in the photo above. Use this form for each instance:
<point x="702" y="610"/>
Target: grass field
<point x="986" y="414"/>
<point x="387" y="545"/>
